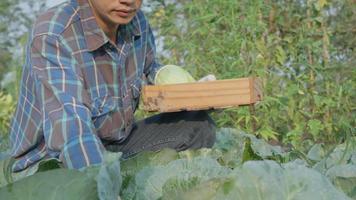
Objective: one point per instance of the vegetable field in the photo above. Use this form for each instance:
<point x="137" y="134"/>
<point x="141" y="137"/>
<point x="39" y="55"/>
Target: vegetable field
<point x="239" y="166"/>
<point x="298" y="143"/>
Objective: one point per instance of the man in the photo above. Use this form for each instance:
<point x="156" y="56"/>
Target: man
<point x="86" y="63"/>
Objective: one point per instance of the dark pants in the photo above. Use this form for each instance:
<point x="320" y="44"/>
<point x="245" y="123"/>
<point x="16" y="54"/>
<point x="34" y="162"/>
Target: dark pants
<point x="179" y="131"/>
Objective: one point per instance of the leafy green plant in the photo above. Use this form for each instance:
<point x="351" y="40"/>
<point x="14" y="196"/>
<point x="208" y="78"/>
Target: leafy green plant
<point x="239" y="166"/>
<point x="221" y="173"/>
<point x="7" y="107"/>
<point x="98" y="182"/>
<point x="258" y="180"/>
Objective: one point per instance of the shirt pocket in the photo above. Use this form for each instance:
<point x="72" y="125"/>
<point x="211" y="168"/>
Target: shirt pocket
<point x="106" y="117"/>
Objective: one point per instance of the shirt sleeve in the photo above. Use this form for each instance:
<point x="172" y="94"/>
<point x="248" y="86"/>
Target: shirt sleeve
<point x="151" y="63"/>
<point x="66" y="114"/>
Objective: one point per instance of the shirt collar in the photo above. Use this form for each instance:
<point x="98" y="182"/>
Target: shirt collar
<point x="94" y="35"/>
<point x="133" y="28"/>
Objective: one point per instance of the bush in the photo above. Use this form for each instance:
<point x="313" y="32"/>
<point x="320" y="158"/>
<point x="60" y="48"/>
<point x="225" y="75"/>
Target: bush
<point x="308" y="73"/>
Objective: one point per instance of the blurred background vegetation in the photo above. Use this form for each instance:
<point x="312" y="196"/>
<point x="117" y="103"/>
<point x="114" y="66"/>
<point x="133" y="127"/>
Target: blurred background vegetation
<point x="303" y="49"/>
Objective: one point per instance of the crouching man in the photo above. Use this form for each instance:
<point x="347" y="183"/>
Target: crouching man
<point x="85" y="65"/>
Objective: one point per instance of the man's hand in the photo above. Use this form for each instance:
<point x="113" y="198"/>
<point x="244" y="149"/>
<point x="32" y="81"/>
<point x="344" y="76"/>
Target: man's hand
<point x="210" y="77"/>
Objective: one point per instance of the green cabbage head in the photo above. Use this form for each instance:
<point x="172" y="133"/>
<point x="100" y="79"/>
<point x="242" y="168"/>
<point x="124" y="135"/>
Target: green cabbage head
<point x="172" y="74"/>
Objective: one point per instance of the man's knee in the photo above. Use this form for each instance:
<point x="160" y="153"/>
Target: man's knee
<point x="200" y="134"/>
<point x="208" y="130"/>
<point x="208" y="134"/>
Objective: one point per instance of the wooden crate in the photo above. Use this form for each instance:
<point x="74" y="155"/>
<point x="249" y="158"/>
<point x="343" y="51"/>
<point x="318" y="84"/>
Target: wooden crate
<point x="202" y="95"/>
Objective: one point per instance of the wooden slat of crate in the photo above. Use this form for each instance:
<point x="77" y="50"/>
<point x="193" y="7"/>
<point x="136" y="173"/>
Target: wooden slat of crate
<point x="202" y="96"/>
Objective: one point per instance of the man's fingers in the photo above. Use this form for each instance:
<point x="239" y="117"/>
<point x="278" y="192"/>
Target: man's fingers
<point x="209" y="77"/>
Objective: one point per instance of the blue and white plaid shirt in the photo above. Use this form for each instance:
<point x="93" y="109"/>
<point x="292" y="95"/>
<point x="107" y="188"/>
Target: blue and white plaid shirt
<point x="77" y="87"/>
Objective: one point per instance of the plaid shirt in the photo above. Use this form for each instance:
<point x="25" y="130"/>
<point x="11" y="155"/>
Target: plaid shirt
<point x="77" y="87"/>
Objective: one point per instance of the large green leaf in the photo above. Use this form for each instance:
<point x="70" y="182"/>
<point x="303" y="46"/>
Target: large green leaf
<point x="342" y="154"/>
<point x="148" y="183"/>
<point x="5" y="172"/>
<point x="259" y="146"/>
<point x="99" y="182"/>
<point x="265" y="180"/>
<point x="316" y="153"/>
<point x="55" y="184"/>
<point x="236" y="147"/>
<point x="109" y="178"/>
<point x="133" y="165"/>
<point x="344" y="178"/>
<point x="177" y="188"/>
<point x="4" y="155"/>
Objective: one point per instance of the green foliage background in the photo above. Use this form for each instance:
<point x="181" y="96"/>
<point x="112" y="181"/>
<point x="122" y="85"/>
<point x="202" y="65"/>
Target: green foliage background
<point x="16" y="18"/>
<point x="304" y="51"/>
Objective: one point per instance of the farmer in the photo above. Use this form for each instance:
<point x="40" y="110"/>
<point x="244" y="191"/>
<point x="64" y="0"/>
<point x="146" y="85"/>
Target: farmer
<point x="86" y="62"/>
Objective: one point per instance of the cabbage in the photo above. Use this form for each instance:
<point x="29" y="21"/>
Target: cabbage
<point x="172" y="74"/>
